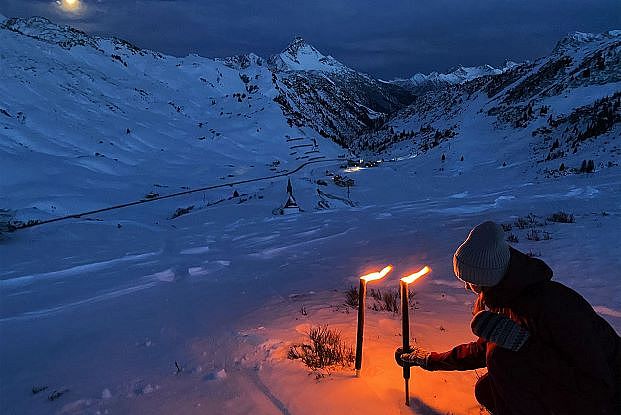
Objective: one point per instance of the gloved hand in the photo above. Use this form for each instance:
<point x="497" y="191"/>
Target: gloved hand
<point x="415" y="357"/>
<point x="499" y="329"/>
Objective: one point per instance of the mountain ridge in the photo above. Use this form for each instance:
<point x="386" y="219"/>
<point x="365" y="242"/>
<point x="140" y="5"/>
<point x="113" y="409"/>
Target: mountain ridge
<point x="563" y="108"/>
<point x="420" y="83"/>
<point x="316" y="94"/>
<point x="314" y="90"/>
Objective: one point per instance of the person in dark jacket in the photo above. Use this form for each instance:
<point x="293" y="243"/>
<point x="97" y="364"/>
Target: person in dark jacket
<point x="546" y="350"/>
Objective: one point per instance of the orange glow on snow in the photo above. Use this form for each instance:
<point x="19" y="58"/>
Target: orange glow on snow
<point x="413" y="277"/>
<point x="377" y="275"/>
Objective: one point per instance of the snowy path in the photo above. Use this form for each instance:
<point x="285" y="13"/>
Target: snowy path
<point x="83" y="214"/>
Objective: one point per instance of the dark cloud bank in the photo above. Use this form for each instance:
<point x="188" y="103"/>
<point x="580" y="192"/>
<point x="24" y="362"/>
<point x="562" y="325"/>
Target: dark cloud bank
<point x="386" y="39"/>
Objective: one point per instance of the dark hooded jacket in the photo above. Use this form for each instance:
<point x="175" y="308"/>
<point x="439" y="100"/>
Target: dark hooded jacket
<point x="573" y="355"/>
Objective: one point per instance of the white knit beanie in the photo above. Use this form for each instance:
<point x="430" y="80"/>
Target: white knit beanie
<point x="483" y="258"/>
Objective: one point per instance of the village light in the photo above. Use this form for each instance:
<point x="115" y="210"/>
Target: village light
<point x="362" y="293"/>
<point x="405" y="323"/>
<point x="353" y="169"/>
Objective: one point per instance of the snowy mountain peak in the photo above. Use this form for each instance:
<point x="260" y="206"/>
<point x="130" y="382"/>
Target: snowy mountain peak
<point x="302" y="56"/>
<point x="42" y="29"/>
<point x="458" y="75"/>
<point x="298" y="44"/>
<point x="463" y="73"/>
<point x="509" y="64"/>
<point x="67" y="37"/>
<point x="575" y="40"/>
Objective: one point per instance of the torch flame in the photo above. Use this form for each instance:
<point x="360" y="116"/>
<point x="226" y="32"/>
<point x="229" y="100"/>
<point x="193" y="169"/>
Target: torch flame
<point x="377" y="275"/>
<point x="413" y="277"/>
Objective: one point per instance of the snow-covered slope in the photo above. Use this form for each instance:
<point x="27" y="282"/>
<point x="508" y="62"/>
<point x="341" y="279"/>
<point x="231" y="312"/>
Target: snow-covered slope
<point x="113" y="116"/>
<point x="110" y="112"/>
<point x="560" y="109"/>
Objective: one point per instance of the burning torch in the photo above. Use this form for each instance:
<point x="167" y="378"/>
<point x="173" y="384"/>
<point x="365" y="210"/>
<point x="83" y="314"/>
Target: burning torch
<point x="362" y="294"/>
<point x="405" y="323"/>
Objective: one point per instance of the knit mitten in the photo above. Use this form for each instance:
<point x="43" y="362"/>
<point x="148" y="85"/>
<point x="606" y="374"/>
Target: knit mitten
<point x="499" y="329"/>
<point x="415" y="357"/>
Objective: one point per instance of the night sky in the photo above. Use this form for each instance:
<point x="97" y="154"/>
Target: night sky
<point x="398" y="40"/>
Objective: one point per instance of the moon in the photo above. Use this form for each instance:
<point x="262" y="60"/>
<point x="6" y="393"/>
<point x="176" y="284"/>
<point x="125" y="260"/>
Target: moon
<point x="69" y="5"/>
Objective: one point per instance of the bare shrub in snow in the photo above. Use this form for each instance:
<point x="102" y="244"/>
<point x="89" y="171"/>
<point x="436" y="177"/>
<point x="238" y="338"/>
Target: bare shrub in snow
<point x="528" y="221"/>
<point x="36" y="389"/>
<point x="325" y="348"/>
<point x="57" y="394"/>
<point x="512" y="238"/>
<point x="561" y="217"/>
<point x="389" y="300"/>
<point x="385" y="300"/>
<point x="351" y="297"/>
<point x="533" y="235"/>
<point x="182" y="211"/>
<point x="537" y="235"/>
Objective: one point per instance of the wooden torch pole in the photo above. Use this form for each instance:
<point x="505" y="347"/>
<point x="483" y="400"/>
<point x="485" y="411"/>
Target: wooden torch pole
<point x="405" y="332"/>
<point x="362" y="294"/>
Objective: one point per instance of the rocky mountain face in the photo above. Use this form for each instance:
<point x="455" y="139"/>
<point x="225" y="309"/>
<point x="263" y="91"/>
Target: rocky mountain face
<point x="321" y="93"/>
<point x="562" y="101"/>
<point x="338" y="102"/>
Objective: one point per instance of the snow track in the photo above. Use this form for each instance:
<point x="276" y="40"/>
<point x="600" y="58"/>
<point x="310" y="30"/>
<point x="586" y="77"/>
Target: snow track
<point x="76" y="271"/>
<point x="68" y="307"/>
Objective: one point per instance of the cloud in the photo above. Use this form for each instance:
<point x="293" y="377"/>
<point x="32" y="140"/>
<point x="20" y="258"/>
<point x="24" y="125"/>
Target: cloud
<point x="387" y="40"/>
